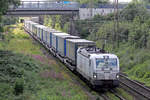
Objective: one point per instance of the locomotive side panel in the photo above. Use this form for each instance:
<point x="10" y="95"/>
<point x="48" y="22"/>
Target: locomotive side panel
<point x="83" y="66"/>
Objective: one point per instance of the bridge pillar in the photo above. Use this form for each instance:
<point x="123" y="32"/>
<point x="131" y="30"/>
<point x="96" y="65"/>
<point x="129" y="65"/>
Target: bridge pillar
<point x="41" y="19"/>
<point x="72" y="29"/>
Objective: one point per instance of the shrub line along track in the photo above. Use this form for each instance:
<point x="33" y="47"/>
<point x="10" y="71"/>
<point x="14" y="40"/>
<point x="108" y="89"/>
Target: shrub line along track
<point x="135" y="86"/>
<point x="104" y="96"/>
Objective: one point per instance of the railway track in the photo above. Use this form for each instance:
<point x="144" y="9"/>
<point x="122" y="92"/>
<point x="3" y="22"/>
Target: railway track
<point x="105" y="97"/>
<point x="117" y="95"/>
<point x="135" y="86"/>
<point x="113" y="91"/>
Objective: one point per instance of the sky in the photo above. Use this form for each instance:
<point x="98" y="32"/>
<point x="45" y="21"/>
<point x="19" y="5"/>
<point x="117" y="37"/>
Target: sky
<point x="66" y="0"/>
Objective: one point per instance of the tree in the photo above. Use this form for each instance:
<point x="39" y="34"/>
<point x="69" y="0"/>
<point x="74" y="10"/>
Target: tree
<point x="133" y="10"/>
<point x="145" y="2"/>
<point x="94" y="1"/>
<point x="4" y="5"/>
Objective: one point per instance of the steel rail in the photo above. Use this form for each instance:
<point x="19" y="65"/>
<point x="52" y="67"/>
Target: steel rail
<point x="135" y="86"/>
<point x="104" y="96"/>
<point x="117" y="95"/>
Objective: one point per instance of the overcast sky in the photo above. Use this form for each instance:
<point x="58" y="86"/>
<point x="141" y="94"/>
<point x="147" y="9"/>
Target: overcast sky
<point x="66" y="0"/>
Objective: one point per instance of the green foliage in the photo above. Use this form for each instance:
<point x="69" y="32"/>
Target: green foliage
<point x="28" y="74"/>
<point x="134" y="10"/>
<point x="124" y="94"/>
<point x="15" y="33"/>
<point x="59" y="22"/>
<point x="95" y="1"/>
<point x="112" y="96"/>
<point x="4" y="5"/>
<point x="66" y="27"/>
<point x="146" y="2"/>
<point x="148" y="43"/>
<point x="14" y="73"/>
<point x="48" y="21"/>
<point x="19" y="86"/>
<point x="84" y="31"/>
<point x="9" y="20"/>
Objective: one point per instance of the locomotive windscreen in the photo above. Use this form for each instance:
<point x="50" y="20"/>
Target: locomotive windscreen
<point x="111" y="62"/>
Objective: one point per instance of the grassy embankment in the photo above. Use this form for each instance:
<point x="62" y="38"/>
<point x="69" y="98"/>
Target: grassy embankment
<point x="135" y="63"/>
<point x="27" y="74"/>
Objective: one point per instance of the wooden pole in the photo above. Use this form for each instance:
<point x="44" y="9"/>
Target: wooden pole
<point x="117" y="28"/>
<point x="91" y="8"/>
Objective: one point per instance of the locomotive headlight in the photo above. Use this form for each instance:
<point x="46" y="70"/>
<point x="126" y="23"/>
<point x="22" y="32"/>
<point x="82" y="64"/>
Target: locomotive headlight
<point x="94" y="75"/>
<point x="117" y="76"/>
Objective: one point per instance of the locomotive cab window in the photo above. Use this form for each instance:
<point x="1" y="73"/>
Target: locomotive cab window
<point x="111" y="62"/>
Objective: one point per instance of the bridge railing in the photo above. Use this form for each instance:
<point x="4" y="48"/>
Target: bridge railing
<point x="46" y="5"/>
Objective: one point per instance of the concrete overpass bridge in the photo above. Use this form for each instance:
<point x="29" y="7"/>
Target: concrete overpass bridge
<point x="36" y="8"/>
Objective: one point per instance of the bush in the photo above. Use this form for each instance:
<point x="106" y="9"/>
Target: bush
<point x="19" y="86"/>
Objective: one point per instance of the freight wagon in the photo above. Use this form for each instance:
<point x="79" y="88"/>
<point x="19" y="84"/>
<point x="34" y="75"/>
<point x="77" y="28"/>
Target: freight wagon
<point x="62" y="39"/>
<point x="72" y="45"/>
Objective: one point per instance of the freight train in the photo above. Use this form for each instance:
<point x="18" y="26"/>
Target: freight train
<point x="95" y="65"/>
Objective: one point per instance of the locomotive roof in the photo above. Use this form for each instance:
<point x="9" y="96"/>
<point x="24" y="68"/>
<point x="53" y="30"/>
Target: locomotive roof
<point x="69" y="37"/>
<point x="28" y="21"/>
<point x="93" y="53"/>
<point x="101" y="55"/>
<point x="59" y="33"/>
<point x="49" y="29"/>
<point x="33" y="23"/>
<point x="79" y="41"/>
<point x="40" y="26"/>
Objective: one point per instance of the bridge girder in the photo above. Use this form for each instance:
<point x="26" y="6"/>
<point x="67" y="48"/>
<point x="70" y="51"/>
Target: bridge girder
<point x="41" y="12"/>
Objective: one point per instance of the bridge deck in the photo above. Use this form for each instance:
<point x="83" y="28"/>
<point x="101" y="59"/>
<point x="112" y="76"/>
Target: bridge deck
<point x="43" y="7"/>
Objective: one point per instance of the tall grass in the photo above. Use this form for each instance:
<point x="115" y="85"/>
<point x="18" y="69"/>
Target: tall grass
<point x="43" y="78"/>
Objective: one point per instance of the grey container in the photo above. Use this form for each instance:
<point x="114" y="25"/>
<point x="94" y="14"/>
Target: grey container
<point x="40" y="31"/>
<point x="54" y="39"/>
<point x="50" y="40"/>
<point x="61" y="49"/>
<point x="38" y="27"/>
<point x="44" y="34"/>
<point x="33" y="26"/>
<point x="72" y="46"/>
<point x="49" y="32"/>
<point x="27" y="25"/>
